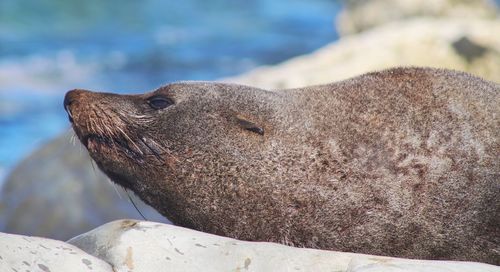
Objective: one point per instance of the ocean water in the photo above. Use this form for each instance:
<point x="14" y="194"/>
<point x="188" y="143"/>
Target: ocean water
<point x="50" y="46"/>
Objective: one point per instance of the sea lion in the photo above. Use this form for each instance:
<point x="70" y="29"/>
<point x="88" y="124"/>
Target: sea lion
<point x="402" y="162"/>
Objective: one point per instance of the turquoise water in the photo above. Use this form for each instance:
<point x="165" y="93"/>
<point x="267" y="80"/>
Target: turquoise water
<point x="50" y="46"/>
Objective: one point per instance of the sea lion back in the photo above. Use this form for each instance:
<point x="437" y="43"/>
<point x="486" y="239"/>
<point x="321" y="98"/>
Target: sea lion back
<point x="416" y="161"/>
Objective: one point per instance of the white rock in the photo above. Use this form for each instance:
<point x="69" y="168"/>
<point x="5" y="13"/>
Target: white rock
<point x="418" y="42"/>
<point x="24" y="253"/>
<point x="360" y="15"/>
<point x="147" y="246"/>
<point x="376" y="264"/>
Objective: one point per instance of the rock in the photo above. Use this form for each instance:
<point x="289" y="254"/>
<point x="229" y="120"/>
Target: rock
<point x="57" y="193"/>
<point x="360" y="15"/>
<point x="130" y="245"/>
<point x="23" y="253"/>
<point x="376" y="264"/>
<point x="135" y="246"/>
<point x="446" y="43"/>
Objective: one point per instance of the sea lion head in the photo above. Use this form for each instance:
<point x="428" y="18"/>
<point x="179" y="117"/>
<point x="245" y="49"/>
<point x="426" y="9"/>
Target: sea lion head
<point x="177" y="134"/>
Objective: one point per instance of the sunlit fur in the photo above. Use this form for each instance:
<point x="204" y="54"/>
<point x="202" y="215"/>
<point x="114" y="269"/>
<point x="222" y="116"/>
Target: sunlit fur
<point x="403" y="162"/>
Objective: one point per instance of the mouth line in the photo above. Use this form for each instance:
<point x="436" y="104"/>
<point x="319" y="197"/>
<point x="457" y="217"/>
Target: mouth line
<point x="93" y="136"/>
<point x="70" y="115"/>
<point x="112" y="143"/>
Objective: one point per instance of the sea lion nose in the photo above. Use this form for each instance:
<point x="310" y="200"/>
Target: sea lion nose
<point x="69" y="99"/>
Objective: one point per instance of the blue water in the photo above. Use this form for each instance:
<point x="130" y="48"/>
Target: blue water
<point x="50" y="46"/>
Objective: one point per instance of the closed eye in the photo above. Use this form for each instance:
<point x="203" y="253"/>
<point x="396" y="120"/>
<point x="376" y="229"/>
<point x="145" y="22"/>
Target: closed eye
<point x="159" y="102"/>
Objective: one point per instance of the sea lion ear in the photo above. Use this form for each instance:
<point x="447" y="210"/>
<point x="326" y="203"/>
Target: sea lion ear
<point x="250" y="126"/>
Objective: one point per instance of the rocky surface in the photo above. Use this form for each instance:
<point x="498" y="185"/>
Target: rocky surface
<point x="361" y="15"/>
<point x="23" y="253"/>
<point x="147" y="246"/>
<point x="444" y="43"/>
<point x="135" y="246"/>
<point x="57" y="193"/>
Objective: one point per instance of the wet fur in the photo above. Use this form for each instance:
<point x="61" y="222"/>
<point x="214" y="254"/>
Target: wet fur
<point x="403" y="162"/>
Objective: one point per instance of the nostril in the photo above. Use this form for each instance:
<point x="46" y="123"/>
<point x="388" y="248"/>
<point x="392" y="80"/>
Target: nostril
<point x="72" y="99"/>
<point x="68" y="99"/>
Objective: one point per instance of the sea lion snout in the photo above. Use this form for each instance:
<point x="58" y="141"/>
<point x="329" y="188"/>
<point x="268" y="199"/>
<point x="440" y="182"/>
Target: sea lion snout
<point x="83" y="112"/>
<point x="69" y="99"/>
<point x="72" y="98"/>
<point x="113" y="125"/>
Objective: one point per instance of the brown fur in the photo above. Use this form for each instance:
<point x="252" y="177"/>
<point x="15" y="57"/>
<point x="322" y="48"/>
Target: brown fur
<point x="403" y="162"/>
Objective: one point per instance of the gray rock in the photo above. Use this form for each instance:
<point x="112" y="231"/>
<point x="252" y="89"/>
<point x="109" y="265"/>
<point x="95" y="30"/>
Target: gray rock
<point x="57" y="193"/>
<point x="23" y="253"/>
<point x="147" y="246"/>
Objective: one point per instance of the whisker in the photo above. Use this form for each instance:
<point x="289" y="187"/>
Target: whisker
<point x="80" y="149"/>
<point x="109" y="127"/>
<point x="153" y="147"/>
<point x="133" y="203"/>
<point x="114" y="187"/>
<point x="72" y="139"/>
<point x="130" y="140"/>
<point x="93" y="167"/>
<point x="72" y="136"/>
<point x="139" y="118"/>
<point x="106" y="126"/>
<point x="100" y="127"/>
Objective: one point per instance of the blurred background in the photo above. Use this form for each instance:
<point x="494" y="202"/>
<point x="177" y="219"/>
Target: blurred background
<point x="48" y="186"/>
<point x="50" y="46"/>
